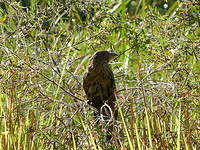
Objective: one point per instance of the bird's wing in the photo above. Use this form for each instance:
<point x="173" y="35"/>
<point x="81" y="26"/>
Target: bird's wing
<point x="85" y="82"/>
<point x="104" y="77"/>
<point x="89" y="78"/>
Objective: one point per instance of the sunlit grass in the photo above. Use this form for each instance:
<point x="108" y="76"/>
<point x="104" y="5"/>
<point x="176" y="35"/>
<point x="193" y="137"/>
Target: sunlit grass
<point x="45" y="50"/>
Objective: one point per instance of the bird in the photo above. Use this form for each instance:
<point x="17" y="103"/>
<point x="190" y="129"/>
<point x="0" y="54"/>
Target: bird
<point x="99" y="85"/>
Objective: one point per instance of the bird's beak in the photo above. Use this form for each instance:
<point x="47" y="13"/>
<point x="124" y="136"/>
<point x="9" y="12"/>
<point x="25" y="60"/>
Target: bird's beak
<point x="113" y="55"/>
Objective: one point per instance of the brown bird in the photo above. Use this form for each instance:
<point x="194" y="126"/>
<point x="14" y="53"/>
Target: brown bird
<point x="99" y="84"/>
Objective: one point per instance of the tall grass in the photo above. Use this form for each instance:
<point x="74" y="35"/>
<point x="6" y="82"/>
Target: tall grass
<point x="44" y="51"/>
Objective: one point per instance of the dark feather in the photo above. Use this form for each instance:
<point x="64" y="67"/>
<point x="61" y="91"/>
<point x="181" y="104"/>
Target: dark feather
<point x="99" y="82"/>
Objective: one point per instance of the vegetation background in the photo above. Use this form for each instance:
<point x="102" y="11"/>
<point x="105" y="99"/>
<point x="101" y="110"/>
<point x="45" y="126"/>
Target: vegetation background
<point x="45" y="46"/>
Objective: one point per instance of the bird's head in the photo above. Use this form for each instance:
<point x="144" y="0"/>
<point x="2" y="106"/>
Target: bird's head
<point x="102" y="57"/>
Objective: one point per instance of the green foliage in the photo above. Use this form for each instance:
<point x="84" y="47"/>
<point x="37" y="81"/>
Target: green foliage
<point x="45" y="48"/>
